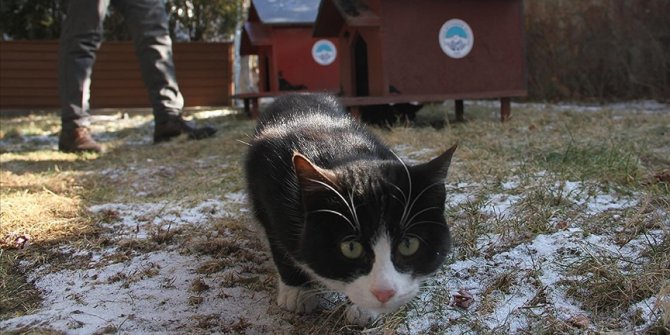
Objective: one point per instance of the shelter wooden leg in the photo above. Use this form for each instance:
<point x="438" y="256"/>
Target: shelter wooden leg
<point x="247" y="109"/>
<point x="460" y="109"/>
<point x="505" y="109"/>
<point x="254" y="110"/>
<point x="355" y="111"/>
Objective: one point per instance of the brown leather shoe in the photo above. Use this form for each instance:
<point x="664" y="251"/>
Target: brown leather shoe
<point x="78" y="140"/>
<point x="176" y="125"/>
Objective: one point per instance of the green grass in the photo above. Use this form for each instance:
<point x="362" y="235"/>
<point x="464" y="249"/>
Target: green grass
<point x="607" y="284"/>
<point x="18" y="296"/>
<point x="593" y="161"/>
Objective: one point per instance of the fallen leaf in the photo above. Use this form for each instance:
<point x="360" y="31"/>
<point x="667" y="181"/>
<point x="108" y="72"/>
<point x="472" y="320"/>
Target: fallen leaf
<point x="463" y="299"/>
<point x="562" y="225"/>
<point x="22" y="241"/>
<point x="663" y="176"/>
<point x="580" y="321"/>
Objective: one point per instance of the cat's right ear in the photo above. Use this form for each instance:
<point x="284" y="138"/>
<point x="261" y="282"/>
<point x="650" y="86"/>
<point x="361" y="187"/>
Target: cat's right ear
<point x="311" y="177"/>
<point x="439" y="166"/>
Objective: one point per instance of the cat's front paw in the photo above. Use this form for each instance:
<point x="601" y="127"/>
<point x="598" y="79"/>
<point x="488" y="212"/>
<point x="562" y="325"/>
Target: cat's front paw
<point x="360" y="316"/>
<point x="296" y="299"/>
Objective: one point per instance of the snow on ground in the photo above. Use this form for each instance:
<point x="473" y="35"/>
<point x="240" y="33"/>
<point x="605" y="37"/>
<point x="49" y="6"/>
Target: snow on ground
<point x="546" y="254"/>
<point x="152" y="292"/>
<point x="157" y="300"/>
<point x="139" y="220"/>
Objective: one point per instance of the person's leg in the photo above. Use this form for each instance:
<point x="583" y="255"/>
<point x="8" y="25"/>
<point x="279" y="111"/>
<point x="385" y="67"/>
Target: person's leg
<point x="148" y="23"/>
<point x="81" y="37"/>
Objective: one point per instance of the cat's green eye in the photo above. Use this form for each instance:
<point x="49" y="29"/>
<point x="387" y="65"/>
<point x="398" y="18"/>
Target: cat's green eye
<point x="408" y="246"/>
<point x="351" y="249"/>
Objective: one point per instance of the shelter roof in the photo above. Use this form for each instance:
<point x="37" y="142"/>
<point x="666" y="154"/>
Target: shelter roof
<point x="254" y="35"/>
<point x="332" y="14"/>
<point x="286" y="11"/>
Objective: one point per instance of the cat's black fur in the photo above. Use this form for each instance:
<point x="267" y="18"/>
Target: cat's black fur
<point x="305" y="151"/>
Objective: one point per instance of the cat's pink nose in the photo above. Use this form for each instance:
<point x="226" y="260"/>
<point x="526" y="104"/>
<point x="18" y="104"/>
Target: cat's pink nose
<point x="383" y="295"/>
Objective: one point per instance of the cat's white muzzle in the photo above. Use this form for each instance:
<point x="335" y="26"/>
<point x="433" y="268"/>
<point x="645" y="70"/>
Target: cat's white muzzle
<point x="384" y="289"/>
<point x="366" y="299"/>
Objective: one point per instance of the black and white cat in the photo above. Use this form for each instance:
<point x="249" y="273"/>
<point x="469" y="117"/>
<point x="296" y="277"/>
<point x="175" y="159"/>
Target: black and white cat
<point x="339" y="208"/>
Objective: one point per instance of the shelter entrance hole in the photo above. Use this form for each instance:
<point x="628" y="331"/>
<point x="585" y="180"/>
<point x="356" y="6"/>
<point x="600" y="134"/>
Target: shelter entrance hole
<point x="360" y="75"/>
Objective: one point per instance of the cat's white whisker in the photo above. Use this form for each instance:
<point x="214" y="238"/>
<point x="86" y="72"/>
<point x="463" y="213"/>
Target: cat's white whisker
<point x="401" y="192"/>
<point x="396" y="198"/>
<point x="409" y="222"/>
<point x="351" y="210"/>
<point x="337" y="313"/>
<point x="318" y="291"/>
<point x="336" y="213"/>
<point x="414" y="224"/>
<point x="353" y="207"/>
<point x="406" y="209"/>
<point x="404" y="200"/>
<point x="405" y="222"/>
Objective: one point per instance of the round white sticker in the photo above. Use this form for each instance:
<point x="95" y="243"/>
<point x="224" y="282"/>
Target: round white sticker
<point x="324" y="52"/>
<point x="456" y="38"/>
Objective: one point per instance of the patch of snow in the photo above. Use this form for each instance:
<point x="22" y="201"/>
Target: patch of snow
<point x="578" y="193"/>
<point x="237" y="197"/>
<point x="543" y="258"/>
<point x="603" y="202"/>
<point x="412" y="156"/>
<point x="140" y="220"/>
<point x="210" y="113"/>
<point x="510" y="185"/>
<point x="500" y="205"/>
<point x="649" y="310"/>
<point x="460" y="194"/>
<point x="35" y="142"/>
<point x="148" y="294"/>
<point x="151" y="292"/>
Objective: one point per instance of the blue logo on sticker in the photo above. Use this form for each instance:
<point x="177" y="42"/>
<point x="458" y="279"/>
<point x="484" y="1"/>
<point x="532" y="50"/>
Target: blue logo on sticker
<point x="324" y="52"/>
<point x="456" y="38"/>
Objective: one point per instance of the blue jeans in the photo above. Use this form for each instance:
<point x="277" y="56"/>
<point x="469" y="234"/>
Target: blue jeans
<point x="80" y="39"/>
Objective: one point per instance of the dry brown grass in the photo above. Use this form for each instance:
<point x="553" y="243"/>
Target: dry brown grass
<point x="45" y="195"/>
<point x="44" y="216"/>
<point x="38" y="210"/>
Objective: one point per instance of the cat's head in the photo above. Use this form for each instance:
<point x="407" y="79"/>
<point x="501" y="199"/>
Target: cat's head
<point x="374" y="229"/>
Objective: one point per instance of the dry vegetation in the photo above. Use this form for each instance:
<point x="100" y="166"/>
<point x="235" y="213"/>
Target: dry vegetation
<point x="533" y="161"/>
<point x="611" y="49"/>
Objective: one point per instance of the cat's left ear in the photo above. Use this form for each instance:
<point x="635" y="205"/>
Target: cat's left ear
<point x="312" y="177"/>
<point x="439" y="166"/>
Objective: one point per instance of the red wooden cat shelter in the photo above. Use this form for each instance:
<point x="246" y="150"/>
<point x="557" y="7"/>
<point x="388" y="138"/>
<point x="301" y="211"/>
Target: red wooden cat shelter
<point x="289" y="57"/>
<point x="395" y="51"/>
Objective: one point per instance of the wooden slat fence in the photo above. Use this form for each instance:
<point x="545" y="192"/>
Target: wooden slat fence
<point x="28" y="75"/>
